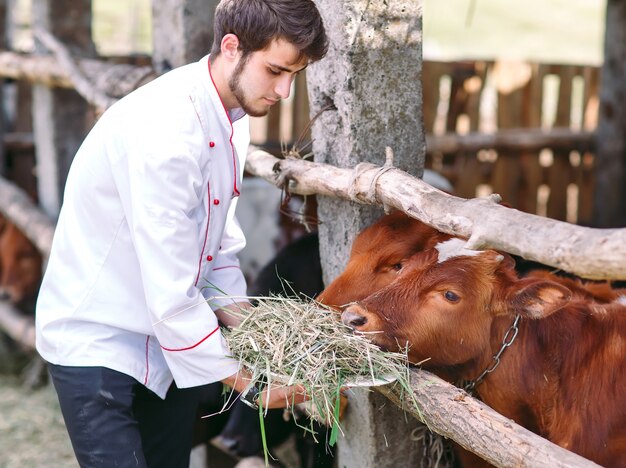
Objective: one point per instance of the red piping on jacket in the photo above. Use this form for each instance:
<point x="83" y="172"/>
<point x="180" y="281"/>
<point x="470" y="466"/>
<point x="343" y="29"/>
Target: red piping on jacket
<point x="232" y="148"/>
<point x="192" y="346"/>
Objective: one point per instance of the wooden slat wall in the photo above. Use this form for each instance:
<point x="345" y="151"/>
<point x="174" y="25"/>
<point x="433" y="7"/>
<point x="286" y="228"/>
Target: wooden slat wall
<point x="485" y="96"/>
<point x="461" y="97"/>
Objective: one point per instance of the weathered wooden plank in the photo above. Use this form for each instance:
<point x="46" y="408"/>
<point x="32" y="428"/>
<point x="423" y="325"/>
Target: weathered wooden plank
<point x="432" y="73"/>
<point x="451" y="412"/>
<point x="586" y="187"/>
<point x="591" y="97"/>
<point x="300" y="109"/>
<point x="514" y="139"/>
<point x="532" y="172"/>
<point x="20" y="141"/>
<point x="470" y="173"/>
<point x="511" y="79"/>
<point x="84" y="87"/>
<point x="474" y="87"/>
<point x="559" y="173"/>
<point x="587" y="252"/>
<point x="273" y="124"/>
<point x="114" y="79"/>
<point x="59" y="117"/>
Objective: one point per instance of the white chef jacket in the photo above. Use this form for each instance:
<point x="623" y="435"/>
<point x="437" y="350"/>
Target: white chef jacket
<point x="147" y="236"/>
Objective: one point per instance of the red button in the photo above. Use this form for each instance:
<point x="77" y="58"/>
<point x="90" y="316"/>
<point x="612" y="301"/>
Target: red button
<point x="209" y="258"/>
<point x="216" y="202"/>
<point x="211" y="144"/>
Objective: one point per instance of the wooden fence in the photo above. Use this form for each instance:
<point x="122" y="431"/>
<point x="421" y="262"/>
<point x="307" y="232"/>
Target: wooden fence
<point x="523" y="130"/>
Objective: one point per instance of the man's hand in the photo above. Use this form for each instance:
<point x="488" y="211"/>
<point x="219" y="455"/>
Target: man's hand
<point x="230" y="315"/>
<point x="282" y="397"/>
<point x="276" y="396"/>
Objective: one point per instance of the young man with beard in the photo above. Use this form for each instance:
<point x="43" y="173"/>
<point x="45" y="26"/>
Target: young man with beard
<point x="143" y="263"/>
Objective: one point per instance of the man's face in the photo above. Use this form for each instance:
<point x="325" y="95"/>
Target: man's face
<point x="264" y="77"/>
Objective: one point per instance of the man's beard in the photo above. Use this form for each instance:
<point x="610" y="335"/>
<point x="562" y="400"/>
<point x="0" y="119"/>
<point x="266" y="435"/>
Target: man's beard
<point x="234" y="83"/>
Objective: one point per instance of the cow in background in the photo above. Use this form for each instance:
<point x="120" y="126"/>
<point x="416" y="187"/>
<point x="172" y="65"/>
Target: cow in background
<point x="560" y="378"/>
<point x="20" y="266"/>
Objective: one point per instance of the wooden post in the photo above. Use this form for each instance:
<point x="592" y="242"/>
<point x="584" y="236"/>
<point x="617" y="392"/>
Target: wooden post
<point x="610" y="163"/>
<point x="59" y="115"/>
<point x="182" y="31"/>
<point x="372" y="78"/>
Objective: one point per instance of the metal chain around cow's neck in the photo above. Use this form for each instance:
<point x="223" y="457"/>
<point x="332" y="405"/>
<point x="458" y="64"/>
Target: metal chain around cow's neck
<point x="507" y="341"/>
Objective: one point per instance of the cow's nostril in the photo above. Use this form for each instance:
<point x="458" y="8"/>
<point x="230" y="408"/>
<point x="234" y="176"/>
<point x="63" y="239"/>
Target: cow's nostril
<point x="353" y="319"/>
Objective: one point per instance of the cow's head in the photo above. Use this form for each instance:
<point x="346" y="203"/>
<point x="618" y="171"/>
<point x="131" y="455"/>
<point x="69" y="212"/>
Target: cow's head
<point x="377" y="256"/>
<point x="443" y="303"/>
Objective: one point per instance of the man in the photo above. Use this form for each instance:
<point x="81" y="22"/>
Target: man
<point x="143" y="263"/>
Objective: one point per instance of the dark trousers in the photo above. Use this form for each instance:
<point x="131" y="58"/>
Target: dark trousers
<point x="113" y="420"/>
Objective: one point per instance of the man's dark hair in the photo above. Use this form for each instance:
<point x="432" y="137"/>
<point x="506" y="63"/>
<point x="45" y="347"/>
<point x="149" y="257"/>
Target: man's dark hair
<point x="259" y="22"/>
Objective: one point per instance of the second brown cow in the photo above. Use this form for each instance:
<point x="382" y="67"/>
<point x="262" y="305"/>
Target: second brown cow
<point x="561" y="375"/>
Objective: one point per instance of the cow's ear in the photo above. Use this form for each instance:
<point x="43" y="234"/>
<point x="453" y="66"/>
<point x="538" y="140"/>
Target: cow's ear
<point x="538" y="298"/>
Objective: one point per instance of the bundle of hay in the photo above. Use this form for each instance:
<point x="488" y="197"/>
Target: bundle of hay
<point x="297" y="341"/>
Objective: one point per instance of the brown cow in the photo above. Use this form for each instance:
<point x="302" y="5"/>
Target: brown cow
<point x="377" y="255"/>
<point x="20" y="265"/>
<point x="560" y="378"/>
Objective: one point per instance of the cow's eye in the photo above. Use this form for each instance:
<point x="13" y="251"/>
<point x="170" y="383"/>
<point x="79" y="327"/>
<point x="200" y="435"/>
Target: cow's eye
<point x="451" y="296"/>
<point x="396" y="266"/>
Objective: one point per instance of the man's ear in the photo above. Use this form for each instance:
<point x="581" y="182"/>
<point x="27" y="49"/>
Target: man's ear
<point x="230" y="46"/>
<point x="536" y="299"/>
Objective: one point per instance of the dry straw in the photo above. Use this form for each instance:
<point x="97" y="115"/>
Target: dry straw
<point x="299" y="341"/>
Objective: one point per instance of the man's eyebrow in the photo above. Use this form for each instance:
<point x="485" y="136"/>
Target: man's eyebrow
<point x="286" y="69"/>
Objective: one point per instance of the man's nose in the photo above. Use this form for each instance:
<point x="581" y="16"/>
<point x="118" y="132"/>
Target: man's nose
<point x="283" y="87"/>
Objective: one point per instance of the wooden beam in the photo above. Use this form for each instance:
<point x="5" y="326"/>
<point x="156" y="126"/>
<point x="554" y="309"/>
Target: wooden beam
<point x="60" y="120"/>
<point x="451" y="412"/>
<point x="587" y="252"/>
<point x="518" y="139"/>
<point x="113" y="79"/>
<point x="19" y="141"/>
<point x="84" y="87"/>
